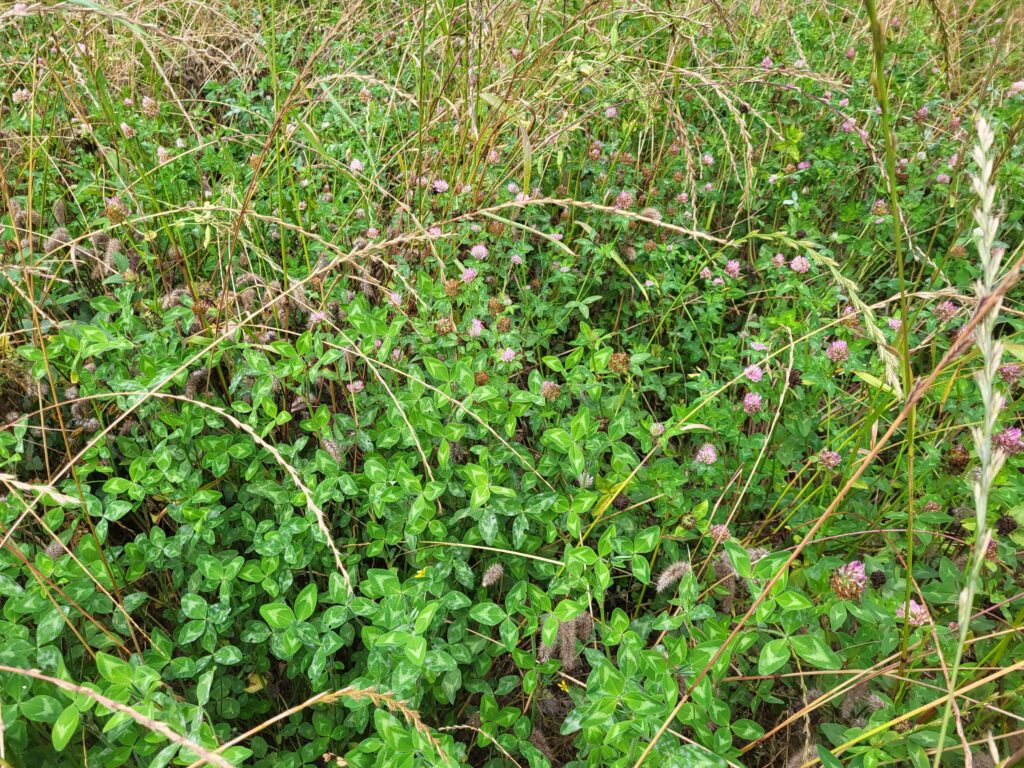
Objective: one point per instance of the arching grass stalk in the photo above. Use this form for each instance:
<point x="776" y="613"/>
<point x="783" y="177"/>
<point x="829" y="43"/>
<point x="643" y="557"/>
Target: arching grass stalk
<point x="990" y="458"/>
<point x="882" y="94"/>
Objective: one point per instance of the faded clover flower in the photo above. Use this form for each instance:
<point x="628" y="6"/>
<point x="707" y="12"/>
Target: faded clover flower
<point x="657" y="429"/>
<point x="849" y="581"/>
<point x="830" y="458"/>
<point x="550" y="390"/>
<point x="720" y="533"/>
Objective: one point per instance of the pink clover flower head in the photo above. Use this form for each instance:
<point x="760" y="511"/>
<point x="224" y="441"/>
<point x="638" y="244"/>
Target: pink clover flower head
<point x="1011" y="373"/>
<point x="705" y="273"/>
<point x="945" y="311"/>
<point x="439" y="186"/>
<point x="915" y="614"/>
<point x="752" y="403"/>
<point x="516" y="259"/>
<point x="479" y="251"/>
<point x="356" y="166"/>
<point x="611" y="112"/>
<point x="894" y="323"/>
<point x="767" y="63"/>
<point x="355" y="387"/>
<point x="778" y="260"/>
<point x="707" y="159"/>
<point x="830" y="458"/>
<point x="706" y="454"/>
<point x="838" y="351"/>
<point x="720" y="533"/>
<point x="475" y="328"/>
<point x="942" y="178"/>
<point x="395" y="298"/>
<point x="800" y="264"/>
<point x="1009" y="440"/>
<point x="508" y="355"/>
<point x="753" y="373"/>
<point x="732" y="268"/>
<point x="468" y="275"/>
<point x="434" y="232"/>
<point x="849" y="581"/>
<point x="657" y="429"/>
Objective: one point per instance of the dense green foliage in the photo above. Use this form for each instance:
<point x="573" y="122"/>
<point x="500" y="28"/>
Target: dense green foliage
<point x="494" y="365"/>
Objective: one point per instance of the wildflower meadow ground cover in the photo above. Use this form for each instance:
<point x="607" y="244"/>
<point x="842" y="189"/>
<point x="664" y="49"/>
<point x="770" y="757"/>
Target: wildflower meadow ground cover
<point x="584" y="383"/>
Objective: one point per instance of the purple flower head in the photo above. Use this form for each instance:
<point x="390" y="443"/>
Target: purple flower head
<point x="916" y="616"/>
<point x="611" y="112"/>
<point x="657" y="429"/>
<point x="1009" y="440"/>
<point x="942" y="178"/>
<point x="838" y="351"/>
<point x="849" y="581"/>
<point x="508" y="355"/>
<point x="439" y="186"/>
<point x="355" y="387"/>
<point x="800" y="264"/>
<point x="707" y="159"/>
<point x="778" y="260"/>
<point x="732" y="268"/>
<point x="478" y="251"/>
<point x="434" y="231"/>
<point x="753" y="373"/>
<point x="752" y="403"/>
<point x="356" y="166"/>
<point x="705" y="273"/>
<point x="945" y="311"/>
<point x="516" y="259"/>
<point x="848" y="126"/>
<point x="894" y="323"/>
<point x="1011" y="373"/>
<point x="475" y="328"/>
<point x="803" y="165"/>
<point x="706" y="454"/>
<point x="830" y="458"/>
<point x="468" y="275"/>
<point x="767" y="63"/>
